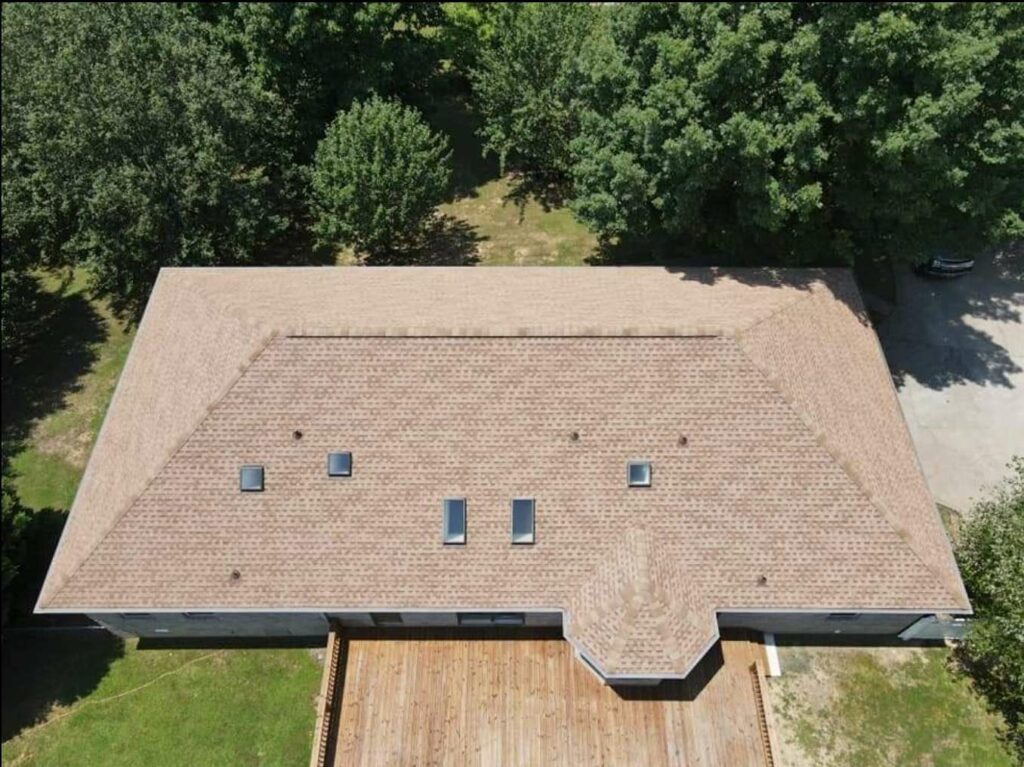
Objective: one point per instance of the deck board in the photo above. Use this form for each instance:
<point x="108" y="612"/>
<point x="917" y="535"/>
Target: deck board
<point x="441" y="698"/>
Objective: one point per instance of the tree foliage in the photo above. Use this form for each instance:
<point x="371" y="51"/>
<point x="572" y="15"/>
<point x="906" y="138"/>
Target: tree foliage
<point x="804" y="132"/>
<point x="378" y="173"/>
<point x="991" y="558"/>
<point x="318" y="57"/>
<point x="137" y="144"/>
<point x="523" y="83"/>
<point x="13" y="522"/>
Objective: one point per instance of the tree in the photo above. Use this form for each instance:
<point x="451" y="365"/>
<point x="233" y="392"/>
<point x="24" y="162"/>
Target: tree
<point x="14" y="521"/>
<point x="991" y="558"/>
<point x="139" y="144"/>
<point x="377" y="175"/>
<point x="804" y="133"/>
<point x="523" y="83"/>
<point x="318" y="57"/>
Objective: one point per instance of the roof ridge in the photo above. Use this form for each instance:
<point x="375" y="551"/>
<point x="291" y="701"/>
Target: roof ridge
<point x="822" y="439"/>
<point x="264" y="345"/>
<point x="804" y="295"/>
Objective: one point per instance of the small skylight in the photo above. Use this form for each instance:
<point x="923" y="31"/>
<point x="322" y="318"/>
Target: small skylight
<point x="522" y="520"/>
<point x="454" y="531"/>
<point x="251" y="479"/>
<point x="339" y="464"/>
<point x="639" y="474"/>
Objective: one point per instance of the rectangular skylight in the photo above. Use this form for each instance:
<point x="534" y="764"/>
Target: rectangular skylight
<point x="339" y="464"/>
<point x="522" y="520"/>
<point x="639" y="474"/>
<point x="454" y="530"/>
<point x="251" y="479"/>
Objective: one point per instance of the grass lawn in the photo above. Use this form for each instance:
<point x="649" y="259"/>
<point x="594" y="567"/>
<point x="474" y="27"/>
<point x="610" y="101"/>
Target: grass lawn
<point x="236" y="707"/>
<point x="881" y="707"/>
<point x="76" y="698"/>
<point x="516" y="229"/>
<point x="61" y="391"/>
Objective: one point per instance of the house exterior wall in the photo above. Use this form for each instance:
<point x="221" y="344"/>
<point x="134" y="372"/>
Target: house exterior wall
<point x="151" y="625"/>
<point x="878" y="624"/>
<point x="310" y="624"/>
<point x="255" y="624"/>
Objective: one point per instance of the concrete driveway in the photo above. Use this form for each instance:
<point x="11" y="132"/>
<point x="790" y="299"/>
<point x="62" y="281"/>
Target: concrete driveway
<point x="956" y="351"/>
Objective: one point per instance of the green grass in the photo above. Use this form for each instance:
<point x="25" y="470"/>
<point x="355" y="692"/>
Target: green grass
<point x="176" y="707"/>
<point x="524" y="231"/>
<point x="66" y="385"/>
<point x="901" y="707"/>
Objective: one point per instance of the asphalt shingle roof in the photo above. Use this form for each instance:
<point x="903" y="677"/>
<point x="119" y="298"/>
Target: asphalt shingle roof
<point x="468" y="382"/>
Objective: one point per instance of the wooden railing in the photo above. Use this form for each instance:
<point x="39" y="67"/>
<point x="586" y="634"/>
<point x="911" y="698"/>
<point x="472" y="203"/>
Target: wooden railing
<point x="324" y="732"/>
<point x="765" y="718"/>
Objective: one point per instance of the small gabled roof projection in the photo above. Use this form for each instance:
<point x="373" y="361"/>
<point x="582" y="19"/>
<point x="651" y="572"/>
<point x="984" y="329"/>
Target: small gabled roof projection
<point x="786" y="478"/>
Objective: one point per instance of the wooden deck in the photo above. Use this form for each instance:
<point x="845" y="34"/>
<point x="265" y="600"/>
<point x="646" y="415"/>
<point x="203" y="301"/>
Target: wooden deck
<point x="429" y="698"/>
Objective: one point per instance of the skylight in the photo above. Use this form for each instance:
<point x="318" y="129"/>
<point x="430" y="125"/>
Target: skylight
<point x="639" y="474"/>
<point x="454" y="531"/>
<point x="251" y="479"/>
<point x="522" y="520"/>
<point x="339" y="464"/>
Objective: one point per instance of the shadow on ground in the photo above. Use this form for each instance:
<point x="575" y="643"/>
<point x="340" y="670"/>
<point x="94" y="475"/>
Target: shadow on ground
<point x="445" y="241"/>
<point x="43" y="668"/>
<point x="40" y="373"/>
<point x="548" y="192"/>
<point x="452" y="116"/>
<point x="948" y="332"/>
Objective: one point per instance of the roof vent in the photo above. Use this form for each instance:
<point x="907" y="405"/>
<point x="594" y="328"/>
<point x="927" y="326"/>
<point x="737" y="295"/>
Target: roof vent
<point x="638" y="473"/>
<point x="683" y="441"/>
<point x="236" y="574"/>
<point x="297" y="434"/>
<point x="762" y="580"/>
<point x="339" y="464"/>
<point x="574" y="436"/>
<point x="251" y="479"/>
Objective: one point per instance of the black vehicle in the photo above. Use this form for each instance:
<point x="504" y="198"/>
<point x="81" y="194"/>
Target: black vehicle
<point x="945" y="266"/>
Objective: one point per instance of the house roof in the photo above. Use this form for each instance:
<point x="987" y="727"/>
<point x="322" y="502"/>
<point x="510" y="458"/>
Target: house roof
<point x="797" y="488"/>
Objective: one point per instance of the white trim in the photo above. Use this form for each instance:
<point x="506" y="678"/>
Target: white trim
<point x="772" y="653"/>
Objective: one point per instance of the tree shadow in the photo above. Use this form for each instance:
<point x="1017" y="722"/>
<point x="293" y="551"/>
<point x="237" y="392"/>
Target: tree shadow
<point x="43" y="668"/>
<point x="296" y="246"/>
<point x="992" y="684"/>
<point x="38" y="544"/>
<point x="550" y="192"/>
<point x="965" y="330"/>
<point x="48" y="364"/>
<point x="445" y="241"/>
<point x="452" y="115"/>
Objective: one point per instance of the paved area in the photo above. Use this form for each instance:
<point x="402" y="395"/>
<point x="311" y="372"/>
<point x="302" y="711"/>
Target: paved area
<point x="956" y="350"/>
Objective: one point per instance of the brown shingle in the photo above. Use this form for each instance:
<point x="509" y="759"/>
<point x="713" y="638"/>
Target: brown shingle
<point x="797" y="465"/>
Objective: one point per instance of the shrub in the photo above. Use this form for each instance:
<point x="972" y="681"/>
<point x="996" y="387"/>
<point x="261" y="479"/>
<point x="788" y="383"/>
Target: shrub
<point x="377" y="175"/>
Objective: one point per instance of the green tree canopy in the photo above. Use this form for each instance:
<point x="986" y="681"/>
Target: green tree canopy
<point x="138" y="144"/>
<point x="991" y="558"/>
<point x="523" y="83"/>
<point x="318" y="57"/>
<point x="377" y="175"/>
<point x="804" y="133"/>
